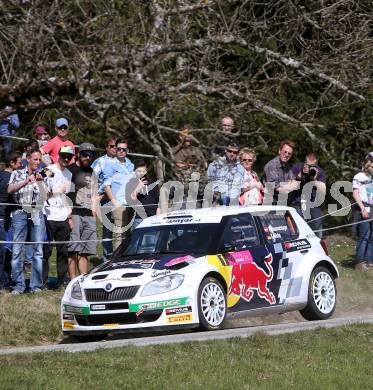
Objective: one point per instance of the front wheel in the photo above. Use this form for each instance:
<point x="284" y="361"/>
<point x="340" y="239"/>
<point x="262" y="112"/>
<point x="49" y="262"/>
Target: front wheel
<point x="322" y="295"/>
<point x="212" y="304"/>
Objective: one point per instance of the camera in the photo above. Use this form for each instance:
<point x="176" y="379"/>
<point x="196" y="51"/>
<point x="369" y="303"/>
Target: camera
<point x="45" y="172"/>
<point x="312" y="171"/>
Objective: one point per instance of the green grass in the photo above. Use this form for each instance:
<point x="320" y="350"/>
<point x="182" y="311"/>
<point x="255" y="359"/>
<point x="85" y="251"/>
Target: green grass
<point x="338" y="358"/>
<point x="34" y="319"/>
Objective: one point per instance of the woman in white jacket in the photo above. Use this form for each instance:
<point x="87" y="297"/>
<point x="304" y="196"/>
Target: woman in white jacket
<point x="253" y="189"/>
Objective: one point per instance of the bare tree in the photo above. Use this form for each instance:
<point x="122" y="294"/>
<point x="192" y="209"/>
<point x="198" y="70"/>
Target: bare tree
<point x="280" y="68"/>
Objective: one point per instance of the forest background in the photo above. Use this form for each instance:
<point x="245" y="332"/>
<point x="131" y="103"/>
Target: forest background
<point x="143" y="68"/>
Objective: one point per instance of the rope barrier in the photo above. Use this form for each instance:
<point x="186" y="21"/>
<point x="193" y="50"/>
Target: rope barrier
<point x="342" y="226"/>
<point x="55" y="242"/>
<point x="110" y="239"/>
<point x="333" y="212"/>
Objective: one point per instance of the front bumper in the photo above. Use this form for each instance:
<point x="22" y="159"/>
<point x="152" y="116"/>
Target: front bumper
<point x="82" y="317"/>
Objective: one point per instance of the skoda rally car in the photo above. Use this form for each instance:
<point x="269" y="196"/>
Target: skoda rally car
<point x="193" y="268"/>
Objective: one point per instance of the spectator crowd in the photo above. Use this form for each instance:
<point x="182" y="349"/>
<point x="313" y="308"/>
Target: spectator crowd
<point x="55" y="191"/>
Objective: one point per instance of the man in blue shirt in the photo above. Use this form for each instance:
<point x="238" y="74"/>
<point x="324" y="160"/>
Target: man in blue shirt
<point x="116" y="175"/>
<point x="227" y="174"/>
<point x="98" y="167"/>
<point x="8" y="122"/>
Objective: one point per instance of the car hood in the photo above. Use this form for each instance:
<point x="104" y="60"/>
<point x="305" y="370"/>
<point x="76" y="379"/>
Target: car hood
<point x="155" y="262"/>
<point x="136" y="271"/>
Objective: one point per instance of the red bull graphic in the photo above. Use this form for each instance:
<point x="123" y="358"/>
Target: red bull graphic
<point x="247" y="277"/>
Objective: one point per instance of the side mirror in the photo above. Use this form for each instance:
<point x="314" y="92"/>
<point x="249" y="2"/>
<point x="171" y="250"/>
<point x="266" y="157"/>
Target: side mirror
<point x="229" y="248"/>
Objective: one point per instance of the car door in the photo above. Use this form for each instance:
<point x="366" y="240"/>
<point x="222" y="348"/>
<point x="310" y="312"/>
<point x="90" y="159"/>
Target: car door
<point x="281" y="237"/>
<point x="251" y="265"/>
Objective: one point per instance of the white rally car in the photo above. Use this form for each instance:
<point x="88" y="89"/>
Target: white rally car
<point x="193" y="268"/>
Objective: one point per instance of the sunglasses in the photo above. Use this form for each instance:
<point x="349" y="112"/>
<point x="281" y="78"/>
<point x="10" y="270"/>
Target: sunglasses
<point x="122" y="149"/>
<point x="66" y="156"/>
<point x="86" y="154"/>
<point x="247" y="160"/>
<point x="63" y="127"/>
<point x="111" y="146"/>
<point x="232" y="151"/>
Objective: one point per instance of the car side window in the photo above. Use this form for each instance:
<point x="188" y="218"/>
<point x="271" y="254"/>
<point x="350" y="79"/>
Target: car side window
<point x="278" y="227"/>
<point x="240" y="233"/>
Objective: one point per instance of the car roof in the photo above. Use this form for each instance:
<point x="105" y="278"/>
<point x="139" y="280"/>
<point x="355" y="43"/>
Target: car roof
<point x="206" y="215"/>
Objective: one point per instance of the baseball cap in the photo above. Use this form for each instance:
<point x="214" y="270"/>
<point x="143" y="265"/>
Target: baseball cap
<point x="86" y="146"/>
<point x="40" y="130"/>
<point x="62" y="122"/>
<point x="66" y="149"/>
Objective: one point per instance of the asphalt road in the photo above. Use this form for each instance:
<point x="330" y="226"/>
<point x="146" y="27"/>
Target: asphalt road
<point x="194" y="336"/>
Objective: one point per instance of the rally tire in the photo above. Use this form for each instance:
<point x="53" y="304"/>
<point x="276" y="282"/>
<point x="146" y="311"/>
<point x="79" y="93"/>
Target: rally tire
<point x="322" y="295"/>
<point x="212" y="304"/>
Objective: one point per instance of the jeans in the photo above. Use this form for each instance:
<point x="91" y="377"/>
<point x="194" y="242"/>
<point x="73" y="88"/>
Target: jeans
<point x="2" y="253"/>
<point x="21" y="224"/>
<point x="364" y="244"/>
<point x="107" y="246"/>
<point x="60" y="231"/>
<point x="136" y="222"/>
<point x="7" y="145"/>
<point x="315" y="223"/>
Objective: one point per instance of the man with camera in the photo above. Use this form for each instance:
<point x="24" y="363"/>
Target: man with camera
<point x="27" y="187"/>
<point x="310" y="196"/>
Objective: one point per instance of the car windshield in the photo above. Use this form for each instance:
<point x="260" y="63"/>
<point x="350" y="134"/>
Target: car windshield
<point x="193" y="238"/>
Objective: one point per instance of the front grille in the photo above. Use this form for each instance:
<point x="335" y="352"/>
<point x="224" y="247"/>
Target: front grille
<point x="118" y="294"/>
<point x="121" y="318"/>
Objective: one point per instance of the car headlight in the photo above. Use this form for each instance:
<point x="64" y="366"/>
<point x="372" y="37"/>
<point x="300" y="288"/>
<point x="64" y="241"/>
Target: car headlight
<point x="162" y="285"/>
<point x="76" y="291"/>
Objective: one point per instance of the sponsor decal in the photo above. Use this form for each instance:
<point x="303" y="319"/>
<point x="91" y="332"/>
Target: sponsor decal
<point x="66" y="316"/>
<point x="297" y="245"/>
<point x="178" y="220"/>
<point x="158" y="305"/>
<point x="179" y="310"/>
<point x="178" y="260"/>
<point x="180" y="318"/>
<point x="248" y="277"/>
<point x="76" y="309"/>
<point x="142" y="263"/>
<point x="156" y="274"/>
<point x="239" y="257"/>
<point x="111" y="280"/>
<point x="110" y="325"/>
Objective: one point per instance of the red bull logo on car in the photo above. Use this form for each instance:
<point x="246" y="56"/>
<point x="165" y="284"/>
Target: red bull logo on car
<point x="248" y="277"/>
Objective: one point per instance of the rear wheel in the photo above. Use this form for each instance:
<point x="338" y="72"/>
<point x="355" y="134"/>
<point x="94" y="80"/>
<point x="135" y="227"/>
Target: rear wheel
<point x="212" y="304"/>
<point x="322" y="295"/>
